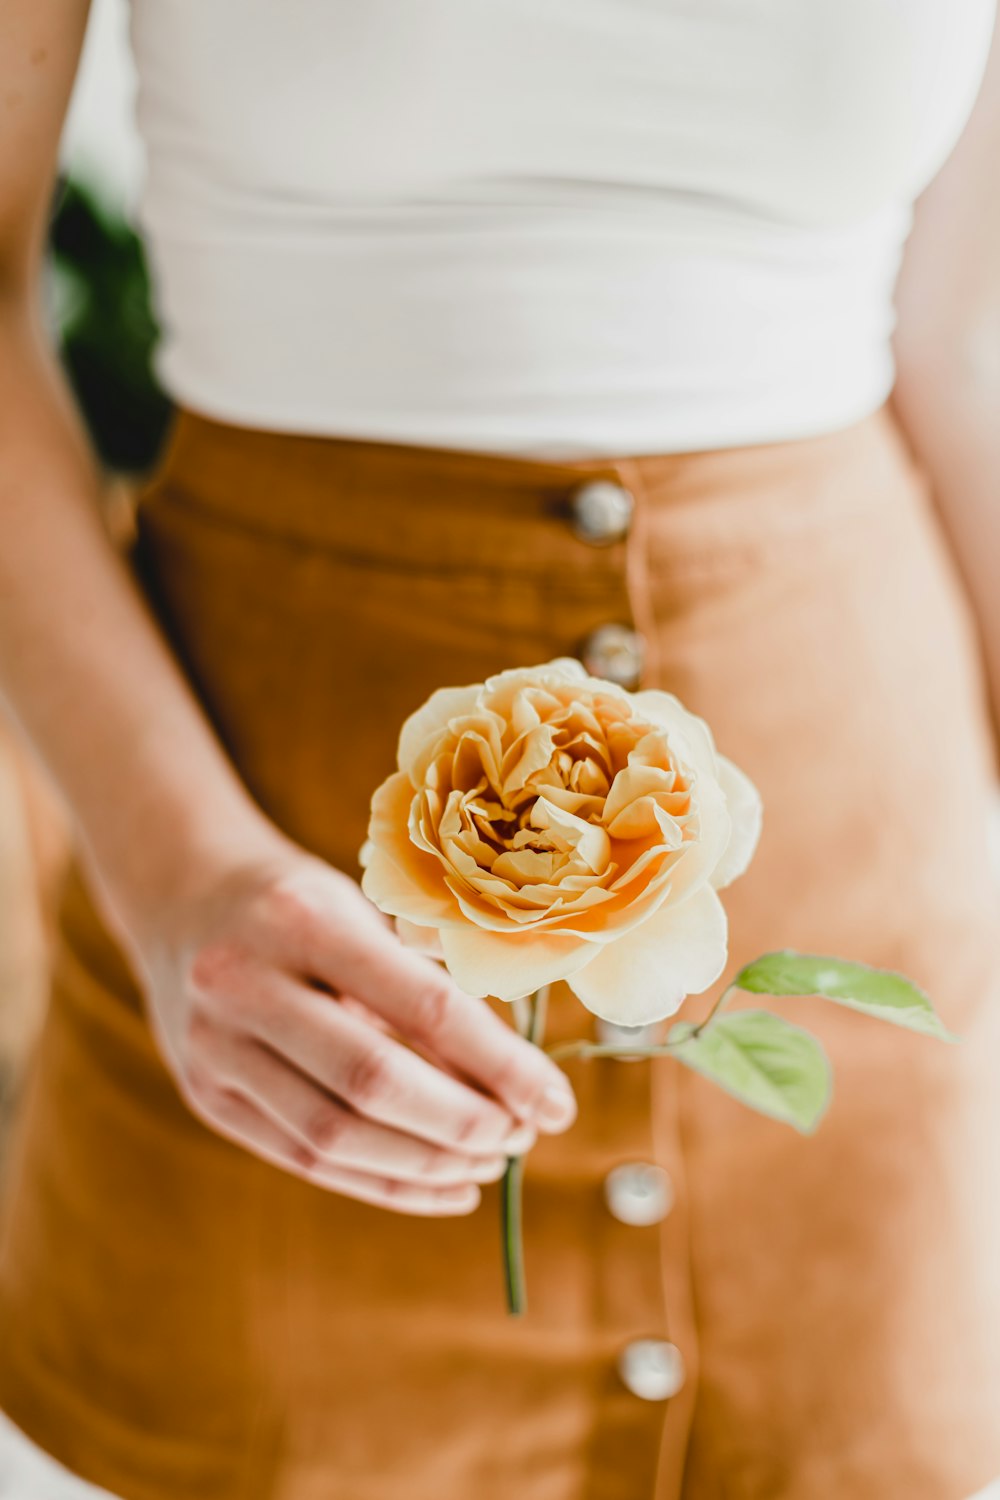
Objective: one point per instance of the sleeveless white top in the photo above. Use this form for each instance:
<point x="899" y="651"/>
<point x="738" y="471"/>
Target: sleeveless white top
<point x="550" y="227"/>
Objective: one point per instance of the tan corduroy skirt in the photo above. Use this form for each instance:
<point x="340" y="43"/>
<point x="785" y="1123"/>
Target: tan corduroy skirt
<point x="178" y="1319"/>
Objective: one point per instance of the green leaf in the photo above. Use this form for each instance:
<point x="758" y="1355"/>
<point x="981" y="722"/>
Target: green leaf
<point x="774" y="1067"/>
<point x="879" y="992"/>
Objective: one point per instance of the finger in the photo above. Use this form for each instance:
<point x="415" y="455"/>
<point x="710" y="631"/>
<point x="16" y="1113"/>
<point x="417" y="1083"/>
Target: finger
<point x="241" y="1122"/>
<point x="364" y="1012"/>
<point x="481" y="1045"/>
<point x="421" y="1000"/>
<point x="320" y="1122"/>
<point x="367" y="1069"/>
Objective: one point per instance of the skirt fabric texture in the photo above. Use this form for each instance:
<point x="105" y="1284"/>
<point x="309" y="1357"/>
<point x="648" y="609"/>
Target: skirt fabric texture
<point x="178" y="1318"/>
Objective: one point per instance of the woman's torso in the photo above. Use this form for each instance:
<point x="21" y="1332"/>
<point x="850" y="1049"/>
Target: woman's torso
<point x="558" y="229"/>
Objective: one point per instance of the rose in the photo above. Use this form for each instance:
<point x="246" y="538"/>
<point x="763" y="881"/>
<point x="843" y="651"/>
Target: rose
<point x="549" y="825"/>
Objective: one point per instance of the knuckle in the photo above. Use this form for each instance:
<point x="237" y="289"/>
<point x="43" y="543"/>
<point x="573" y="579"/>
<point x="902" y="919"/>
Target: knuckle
<point x="510" y="1079"/>
<point x="445" y="1167"/>
<point x="309" y="903"/>
<point x="304" y="1157"/>
<point x="367" y="1077"/>
<point x="394" y="1189"/>
<point x="288" y="908"/>
<point x="313" y="917"/>
<point x="203" y="1096"/>
<point x="436" y="1165"/>
<point x="324" y="1128"/>
<point x="431" y="1005"/>
<point x="216" y="967"/>
<point x="473" y="1130"/>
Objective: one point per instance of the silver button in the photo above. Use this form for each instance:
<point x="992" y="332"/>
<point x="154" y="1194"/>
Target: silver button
<point x="609" y="1034"/>
<point x="615" y="652"/>
<point x="601" y="511"/>
<point x="651" y="1369"/>
<point x="638" y="1193"/>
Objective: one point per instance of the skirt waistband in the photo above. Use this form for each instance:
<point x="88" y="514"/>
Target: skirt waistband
<point x="410" y="506"/>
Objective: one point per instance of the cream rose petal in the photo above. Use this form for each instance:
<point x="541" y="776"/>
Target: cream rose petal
<point x="401" y="878"/>
<point x="425" y="940"/>
<point x="393" y="891"/>
<point x="645" y="975"/>
<point x="683" y="727"/>
<point x="746" y="812"/>
<point x="431" y="718"/>
<point x="507" y="965"/>
<point x="694" y="862"/>
<point x="561" y="669"/>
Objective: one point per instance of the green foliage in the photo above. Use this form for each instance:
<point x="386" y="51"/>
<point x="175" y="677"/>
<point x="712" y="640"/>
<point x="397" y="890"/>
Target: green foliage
<point x="102" y="308"/>
<point x="765" y="1062"/>
<point x="877" y="992"/>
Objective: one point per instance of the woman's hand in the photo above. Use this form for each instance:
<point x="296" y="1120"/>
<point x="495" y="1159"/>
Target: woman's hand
<point x="276" y="990"/>
<point x="284" y="1002"/>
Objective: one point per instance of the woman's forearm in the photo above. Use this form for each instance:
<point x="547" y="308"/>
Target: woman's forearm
<point x="83" y="666"/>
<point x="947" y="349"/>
<point x="949" y="407"/>
<point x="238" y="937"/>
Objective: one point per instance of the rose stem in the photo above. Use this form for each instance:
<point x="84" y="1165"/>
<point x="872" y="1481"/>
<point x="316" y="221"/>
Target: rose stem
<point x="531" y="1026"/>
<point x="720" y="1002"/>
<point x="513" y="1247"/>
<point x="622" y="1049"/>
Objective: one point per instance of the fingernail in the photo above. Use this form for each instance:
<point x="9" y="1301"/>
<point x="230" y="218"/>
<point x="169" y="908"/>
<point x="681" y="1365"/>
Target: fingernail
<point x="491" y="1169"/>
<point x="556" y="1107"/>
<point x="469" y="1197"/>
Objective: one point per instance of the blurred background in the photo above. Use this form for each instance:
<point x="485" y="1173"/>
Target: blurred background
<point x="97" y="292"/>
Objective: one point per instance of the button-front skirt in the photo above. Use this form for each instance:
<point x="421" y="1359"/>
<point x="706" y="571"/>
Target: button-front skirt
<point x="718" y="1306"/>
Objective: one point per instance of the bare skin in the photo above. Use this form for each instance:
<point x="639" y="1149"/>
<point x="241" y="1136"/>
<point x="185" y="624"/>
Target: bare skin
<point x="947" y="344"/>
<point x="275" y="990"/>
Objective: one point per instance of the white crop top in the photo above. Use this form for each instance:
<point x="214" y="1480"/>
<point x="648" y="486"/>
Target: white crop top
<point x="550" y="227"/>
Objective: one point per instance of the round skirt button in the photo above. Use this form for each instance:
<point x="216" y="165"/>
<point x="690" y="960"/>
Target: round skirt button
<point x="638" y="1193"/>
<point x="601" y="511"/>
<point x="615" y="652"/>
<point x="651" y="1369"/>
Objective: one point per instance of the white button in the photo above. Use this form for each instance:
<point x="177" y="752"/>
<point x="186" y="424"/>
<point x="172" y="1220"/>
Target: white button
<point x="601" y="511"/>
<point x="611" y="1035"/>
<point x="638" y="1193"/>
<point x="615" y="652"/>
<point x="651" y="1369"/>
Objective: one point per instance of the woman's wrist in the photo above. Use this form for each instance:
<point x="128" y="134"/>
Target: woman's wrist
<point x="171" y="861"/>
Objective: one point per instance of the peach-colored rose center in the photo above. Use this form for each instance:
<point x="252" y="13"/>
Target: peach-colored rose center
<point x="552" y="806"/>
